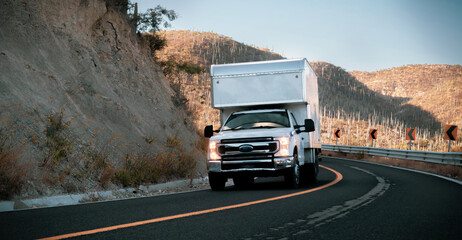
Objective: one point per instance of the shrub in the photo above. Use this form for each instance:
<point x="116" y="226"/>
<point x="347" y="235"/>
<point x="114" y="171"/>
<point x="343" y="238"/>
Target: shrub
<point x="186" y="165"/>
<point x="11" y="173"/>
<point x="58" y="143"/>
<point x="167" y="164"/>
<point x="173" y="143"/>
<point x="155" y="42"/>
<point x="123" y="177"/>
<point x="106" y="176"/>
<point x="98" y="165"/>
<point x="137" y="169"/>
<point x="202" y="144"/>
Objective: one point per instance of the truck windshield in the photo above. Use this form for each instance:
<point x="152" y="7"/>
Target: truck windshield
<point x="257" y="120"/>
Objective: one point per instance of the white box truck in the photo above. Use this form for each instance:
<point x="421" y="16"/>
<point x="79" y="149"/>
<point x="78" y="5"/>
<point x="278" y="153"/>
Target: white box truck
<point x="270" y="123"/>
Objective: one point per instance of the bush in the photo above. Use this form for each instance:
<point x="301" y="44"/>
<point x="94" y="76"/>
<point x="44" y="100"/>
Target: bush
<point x="173" y="143"/>
<point x="123" y="177"/>
<point x="97" y="164"/>
<point x="154" y="41"/>
<point x="186" y="165"/>
<point x="169" y="163"/>
<point x="58" y="143"/>
<point x="137" y="169"/>
<point x="11" y="173"/>
<point x="171" y="65"/>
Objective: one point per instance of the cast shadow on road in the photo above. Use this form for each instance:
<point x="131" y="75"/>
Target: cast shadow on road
<point x="278" y="183"/>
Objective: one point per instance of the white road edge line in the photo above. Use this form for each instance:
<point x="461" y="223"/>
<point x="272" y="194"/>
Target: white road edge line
<point x="401" y="168"/>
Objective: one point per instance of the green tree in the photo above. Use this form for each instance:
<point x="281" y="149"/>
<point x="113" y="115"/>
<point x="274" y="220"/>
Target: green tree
<point x="153" y="19"/>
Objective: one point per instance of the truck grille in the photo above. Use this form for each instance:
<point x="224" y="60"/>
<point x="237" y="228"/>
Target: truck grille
<point x="235" y="148"/>
<point x="248" y="152"/>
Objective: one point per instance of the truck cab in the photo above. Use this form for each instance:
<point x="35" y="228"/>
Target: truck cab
<point x="256" y="143"/>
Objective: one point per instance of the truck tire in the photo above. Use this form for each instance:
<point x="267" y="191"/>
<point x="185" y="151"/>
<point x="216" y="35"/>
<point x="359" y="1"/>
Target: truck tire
<point x="292" y="178"/>
<point x="217" y="182"/>
<point x="312" y="170"/>
<point x="243" y="182"/>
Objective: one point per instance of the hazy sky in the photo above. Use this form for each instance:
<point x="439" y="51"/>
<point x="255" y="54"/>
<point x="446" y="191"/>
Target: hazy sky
<point x="353" y="34"/>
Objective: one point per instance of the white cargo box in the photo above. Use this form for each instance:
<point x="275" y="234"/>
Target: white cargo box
<point x="263" y="83"/>
<point x="290" y="83"/>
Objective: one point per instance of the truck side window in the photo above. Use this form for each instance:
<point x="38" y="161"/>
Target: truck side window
<point x="293" y="119"/>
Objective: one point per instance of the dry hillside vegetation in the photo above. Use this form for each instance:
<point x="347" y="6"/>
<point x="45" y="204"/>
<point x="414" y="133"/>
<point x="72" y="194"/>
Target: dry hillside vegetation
<point x="84" y="106"/>
<point x="345" y="102"/>
<point x="349" y="105"/>
<point x="341" y="93"/>
<point x="186" y="62"/>
<point x="434" y="88"/>
<point x="206" y="48"/>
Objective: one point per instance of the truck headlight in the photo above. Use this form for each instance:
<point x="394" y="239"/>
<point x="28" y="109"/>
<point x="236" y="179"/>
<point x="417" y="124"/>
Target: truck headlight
<point x="284" y="143"/>
<point x="213" y="154"/>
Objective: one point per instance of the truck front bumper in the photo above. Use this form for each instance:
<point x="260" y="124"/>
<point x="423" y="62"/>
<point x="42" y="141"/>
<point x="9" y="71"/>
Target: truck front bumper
<point x="263" y="165"/>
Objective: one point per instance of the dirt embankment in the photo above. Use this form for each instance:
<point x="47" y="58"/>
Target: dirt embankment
<point x="80" y="59"/>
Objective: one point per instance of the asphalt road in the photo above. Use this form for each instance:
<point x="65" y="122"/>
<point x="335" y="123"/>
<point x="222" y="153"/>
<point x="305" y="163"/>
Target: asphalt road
<point x="370" y="202"/>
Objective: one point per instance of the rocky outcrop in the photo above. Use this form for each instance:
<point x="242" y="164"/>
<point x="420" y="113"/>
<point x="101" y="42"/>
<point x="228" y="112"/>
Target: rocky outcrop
<point x="83" y="59"/>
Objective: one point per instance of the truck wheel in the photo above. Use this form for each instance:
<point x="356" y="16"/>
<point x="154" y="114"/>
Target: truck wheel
<point x="243" y="182"/>
<point x="292" y="179"/>
<point x="312" y="170"/>
<point x="217" y="182"/>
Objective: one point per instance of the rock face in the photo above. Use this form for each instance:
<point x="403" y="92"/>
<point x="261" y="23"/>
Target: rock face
<point x="82" y="58"/>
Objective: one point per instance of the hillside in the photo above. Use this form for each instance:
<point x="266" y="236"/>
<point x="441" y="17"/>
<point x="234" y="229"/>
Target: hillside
<point x="206" y="48"/>
<point x="345" y="101"/>
<point x="340" y="92"/>
<point x="434" y="88"/>
<point x="83" y="104"/>
<point x="202" y="49"/>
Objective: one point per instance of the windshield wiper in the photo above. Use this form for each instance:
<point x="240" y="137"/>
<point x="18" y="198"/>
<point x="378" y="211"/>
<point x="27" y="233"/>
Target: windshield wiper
<point x="235" y="128"/>
<point x="264" y="127"/>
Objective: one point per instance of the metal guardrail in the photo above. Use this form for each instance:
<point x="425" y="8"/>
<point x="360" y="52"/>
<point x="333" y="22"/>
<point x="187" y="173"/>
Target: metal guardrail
<point x="452" y="158"/>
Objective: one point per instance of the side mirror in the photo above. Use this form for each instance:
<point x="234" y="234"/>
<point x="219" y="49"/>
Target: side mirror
<point x="309" y="125"/>
<point x="208" y="131"/>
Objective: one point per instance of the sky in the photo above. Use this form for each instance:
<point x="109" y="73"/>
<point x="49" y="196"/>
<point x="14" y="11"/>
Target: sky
<point x="363" y="35"/>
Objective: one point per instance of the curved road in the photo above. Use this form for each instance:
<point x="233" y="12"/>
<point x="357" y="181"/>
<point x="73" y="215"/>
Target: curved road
<point x="369" y="202"/>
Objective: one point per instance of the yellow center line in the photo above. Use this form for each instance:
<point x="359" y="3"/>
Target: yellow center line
<point x="338" y="178"/>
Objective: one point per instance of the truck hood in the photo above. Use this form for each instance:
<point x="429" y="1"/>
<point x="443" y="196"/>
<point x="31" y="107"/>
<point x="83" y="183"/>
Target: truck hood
<point x="252" y="133"/>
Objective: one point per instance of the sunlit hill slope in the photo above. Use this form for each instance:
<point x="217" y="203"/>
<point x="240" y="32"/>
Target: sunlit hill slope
<point x="434" y="88"/>
<point x="345" y="98"/>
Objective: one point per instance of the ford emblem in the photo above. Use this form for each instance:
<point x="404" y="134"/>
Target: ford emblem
<point x="246" y="148"/>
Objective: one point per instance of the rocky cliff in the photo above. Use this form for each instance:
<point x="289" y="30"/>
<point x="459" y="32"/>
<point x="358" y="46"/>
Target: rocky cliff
<point x="80" y="59"/>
